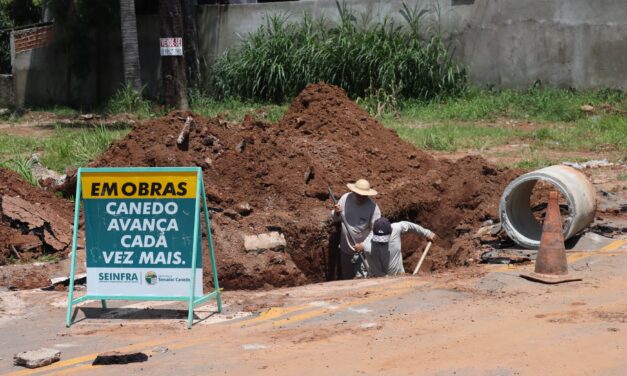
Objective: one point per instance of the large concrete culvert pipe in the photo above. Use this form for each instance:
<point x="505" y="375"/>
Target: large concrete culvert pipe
<point x="515" y="207"/>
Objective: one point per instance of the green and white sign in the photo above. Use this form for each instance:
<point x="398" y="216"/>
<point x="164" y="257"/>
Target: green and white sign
<point x="142" y="233"/>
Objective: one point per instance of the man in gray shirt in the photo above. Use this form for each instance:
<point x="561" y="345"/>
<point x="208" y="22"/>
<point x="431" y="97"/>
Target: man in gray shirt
<point x="359" y="211"/>
<point x="383" y="246"/>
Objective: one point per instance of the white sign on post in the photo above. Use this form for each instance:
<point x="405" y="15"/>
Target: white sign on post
<point x="171" y="46"/>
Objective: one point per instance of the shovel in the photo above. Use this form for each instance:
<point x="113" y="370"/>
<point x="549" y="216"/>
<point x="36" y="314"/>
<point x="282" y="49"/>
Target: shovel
<point x="422" y="258"/>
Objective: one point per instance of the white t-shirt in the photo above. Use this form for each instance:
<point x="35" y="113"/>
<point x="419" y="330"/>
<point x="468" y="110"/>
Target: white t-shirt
<point x="386" y="258"/>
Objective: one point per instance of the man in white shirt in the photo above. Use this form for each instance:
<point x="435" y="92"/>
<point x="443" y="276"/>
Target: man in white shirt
<point x="383" y="246"/>
<point x="359" y="211"/>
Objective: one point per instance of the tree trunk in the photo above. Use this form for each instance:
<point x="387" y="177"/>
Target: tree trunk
<point x="130" y="46"/>
<point x="190" y="43"/>
<point x="173" y="70"/>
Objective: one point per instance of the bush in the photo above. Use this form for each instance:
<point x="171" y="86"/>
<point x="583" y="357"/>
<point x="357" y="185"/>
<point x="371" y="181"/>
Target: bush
<point x="281" y="58"/>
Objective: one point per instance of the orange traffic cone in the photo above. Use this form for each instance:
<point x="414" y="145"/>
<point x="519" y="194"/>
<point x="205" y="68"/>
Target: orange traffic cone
<point x="551" y="263"/>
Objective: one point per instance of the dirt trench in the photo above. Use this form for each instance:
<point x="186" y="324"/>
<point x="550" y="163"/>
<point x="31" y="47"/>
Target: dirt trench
<point x="262" y="177"/>
<point x="281" y="172"/>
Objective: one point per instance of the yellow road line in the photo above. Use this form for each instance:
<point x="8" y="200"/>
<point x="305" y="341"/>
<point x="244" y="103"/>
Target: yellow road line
<point x="321" y="311"/>
<point x="614" y="245"/>
<point x="274" y="312"/>
<point x="85" y="358"/>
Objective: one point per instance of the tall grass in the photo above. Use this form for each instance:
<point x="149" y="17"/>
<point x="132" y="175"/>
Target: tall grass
<point x="64" y="148"/>
<point x="281" y="58"/>
<point x="127" y="100"/>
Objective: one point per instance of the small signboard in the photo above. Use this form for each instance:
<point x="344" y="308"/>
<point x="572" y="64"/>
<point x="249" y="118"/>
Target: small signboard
<point x="142" y="235"/>
<point x="171" y="46"/>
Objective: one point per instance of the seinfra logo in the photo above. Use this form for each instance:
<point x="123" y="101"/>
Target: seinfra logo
<point x="151" y="278"/>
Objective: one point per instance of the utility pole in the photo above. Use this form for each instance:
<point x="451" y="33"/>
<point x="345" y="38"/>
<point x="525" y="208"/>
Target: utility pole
<point x="173" y="67"/>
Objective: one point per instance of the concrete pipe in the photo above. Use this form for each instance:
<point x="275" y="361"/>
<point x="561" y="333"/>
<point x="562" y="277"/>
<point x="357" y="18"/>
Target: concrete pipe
<point x="515" y="206"/>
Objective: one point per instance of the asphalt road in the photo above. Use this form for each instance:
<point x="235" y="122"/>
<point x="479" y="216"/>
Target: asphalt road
<point x="480" y="321"/>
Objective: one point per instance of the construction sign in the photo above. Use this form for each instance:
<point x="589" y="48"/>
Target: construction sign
<point x="139" y="230"/>
<point x="142" y="233"/>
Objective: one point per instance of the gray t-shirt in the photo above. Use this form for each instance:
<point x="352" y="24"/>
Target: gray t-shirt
<point x="359" y="218"/>
<point x="386" y="258"/>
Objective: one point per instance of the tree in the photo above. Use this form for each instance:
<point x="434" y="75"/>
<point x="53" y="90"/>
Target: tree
<point x="130" y="46"/>
<point x="190" y="43"/>
<point x="173" y="68"/>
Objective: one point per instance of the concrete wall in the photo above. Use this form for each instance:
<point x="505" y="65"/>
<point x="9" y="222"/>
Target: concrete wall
<point x="505" y="43"/>
<point x="40" y="67"/>
<point x="7" y="91"/>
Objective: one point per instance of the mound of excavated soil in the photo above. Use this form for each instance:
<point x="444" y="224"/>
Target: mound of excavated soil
<point x="281" y="170"/>
<point x="32" y="221"/>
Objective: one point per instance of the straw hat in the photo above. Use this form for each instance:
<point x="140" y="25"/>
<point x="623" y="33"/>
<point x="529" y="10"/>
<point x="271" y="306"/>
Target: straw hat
<point x="362" y="187"/>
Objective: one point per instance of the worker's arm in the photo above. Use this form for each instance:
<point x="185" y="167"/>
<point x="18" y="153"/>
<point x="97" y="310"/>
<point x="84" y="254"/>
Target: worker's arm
<point x="338" y="208"/>
<point x="409" y="226"/>
<point x="376" y="215"/>
<point x="365" y="246"/>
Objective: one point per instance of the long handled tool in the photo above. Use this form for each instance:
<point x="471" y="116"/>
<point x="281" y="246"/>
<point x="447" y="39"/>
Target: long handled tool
<point x="422" y="258"/>
<point x="350" y="235"/>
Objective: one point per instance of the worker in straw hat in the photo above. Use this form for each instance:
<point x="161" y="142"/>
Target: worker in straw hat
<point x="359" y="211"/>
<point x="383" y="246"/>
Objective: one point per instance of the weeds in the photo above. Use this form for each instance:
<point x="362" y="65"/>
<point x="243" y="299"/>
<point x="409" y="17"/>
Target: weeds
<point x="24" y="167"/>
<point x="127" y="100"/>
<point x="278" y="60"/>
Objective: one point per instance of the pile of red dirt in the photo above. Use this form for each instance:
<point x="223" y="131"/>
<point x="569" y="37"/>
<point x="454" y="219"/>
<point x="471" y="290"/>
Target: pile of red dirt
<point x="33" y="222"/>
<point x="264" y="177"/>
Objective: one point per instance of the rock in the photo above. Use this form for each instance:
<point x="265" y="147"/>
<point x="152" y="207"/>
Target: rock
<point x="243" y="209"/>
<point x="231" y="214"/>
<point x="267" y="241"/>
<point x="587" y="108"/>
<point x="37" y="358"/>
<point x="44" y="174"/>
<point x="160" y="350"/>
<point x="115" y="357"/>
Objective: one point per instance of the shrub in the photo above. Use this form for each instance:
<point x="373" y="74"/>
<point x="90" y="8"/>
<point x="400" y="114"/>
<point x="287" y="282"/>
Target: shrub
<point x="281" y="58"/>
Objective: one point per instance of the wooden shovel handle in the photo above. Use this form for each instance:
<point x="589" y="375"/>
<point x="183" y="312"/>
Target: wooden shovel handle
<point x="422" y="258"/>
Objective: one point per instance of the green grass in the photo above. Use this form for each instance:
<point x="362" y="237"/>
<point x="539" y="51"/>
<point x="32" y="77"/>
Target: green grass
<point x="235" y="110"/>
<point x="452" y="137"/>
<point x="64" y="148"/>
<point x="553" y="121"/>
<point x="49" y="258"/>
<point x="534" y="104"/>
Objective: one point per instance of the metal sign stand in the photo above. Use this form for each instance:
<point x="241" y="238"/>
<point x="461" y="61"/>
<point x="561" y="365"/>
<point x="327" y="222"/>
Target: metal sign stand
<point x="193" y="300"/>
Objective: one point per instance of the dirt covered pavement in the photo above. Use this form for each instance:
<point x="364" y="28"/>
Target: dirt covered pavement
<point x="486" y="321"/>
<point x="264" y="177"/>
